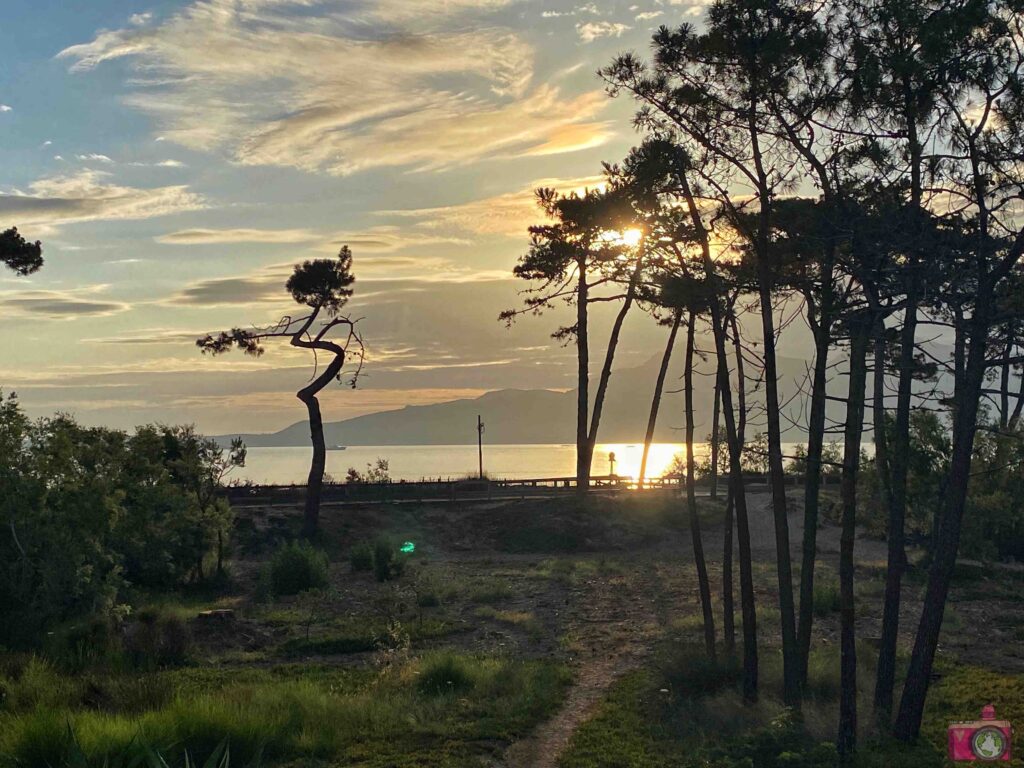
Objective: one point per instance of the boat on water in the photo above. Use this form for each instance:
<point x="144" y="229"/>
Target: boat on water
<point x="336" y="447"/>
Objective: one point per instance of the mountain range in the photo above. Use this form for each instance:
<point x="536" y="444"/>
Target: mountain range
<point x="524" y="416"/>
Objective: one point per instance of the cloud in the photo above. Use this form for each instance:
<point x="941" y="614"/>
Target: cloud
<point x="593" y="30"/>
<point x="6" y="108"/>
<point x="59" y="305"/>
<point x="95" y="158"/>
<point x="90" y="196"/>
<point x="237" y="235"/>
<point x="342" y="91"/>
<point x="506" y="214"/>
<point x="648" y="15"/>
<point x="380" y="239"/>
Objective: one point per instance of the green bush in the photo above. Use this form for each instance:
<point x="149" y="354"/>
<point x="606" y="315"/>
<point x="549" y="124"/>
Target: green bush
<point x="688" y="672"/>
<point x="443" y="675"/>
<point x="361" y="556"/>
<point x="388" y="562"/>
<point x="153" y="640"/>
<point x="826" y="597"/>
<point x="296" y="567"/>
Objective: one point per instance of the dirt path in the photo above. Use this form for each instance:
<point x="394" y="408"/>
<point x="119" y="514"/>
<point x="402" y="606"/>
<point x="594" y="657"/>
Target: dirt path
<point x="613" y="622"/>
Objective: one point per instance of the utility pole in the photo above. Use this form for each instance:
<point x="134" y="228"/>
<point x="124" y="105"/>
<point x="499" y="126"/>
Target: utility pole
<point x="480" y="444"/>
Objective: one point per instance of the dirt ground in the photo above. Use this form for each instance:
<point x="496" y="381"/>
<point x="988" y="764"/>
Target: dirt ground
<point x="597" y="590"/>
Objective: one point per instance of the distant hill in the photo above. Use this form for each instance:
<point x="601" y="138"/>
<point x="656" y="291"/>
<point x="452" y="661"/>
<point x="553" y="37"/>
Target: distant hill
<point x="515" y="416"/>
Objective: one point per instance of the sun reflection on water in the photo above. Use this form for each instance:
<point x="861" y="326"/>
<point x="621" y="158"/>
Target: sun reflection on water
<point x="629" y="455"/>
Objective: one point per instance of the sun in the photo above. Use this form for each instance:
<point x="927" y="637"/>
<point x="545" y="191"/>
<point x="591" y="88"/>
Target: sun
<point x="632" y="237"/>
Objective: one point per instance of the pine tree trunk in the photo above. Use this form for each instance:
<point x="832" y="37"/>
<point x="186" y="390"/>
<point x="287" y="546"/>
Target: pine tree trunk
<point x="582" y="384"/>
<point x="897" y="497"/>
<point x="748" y="602"/>
<point x="716" y="418"/>
<point x="609" y="357"/>
<point x="691" y="499"/>
<point x="659" y="387"/>
<point x="728" y="606"/>
<point x="812" y="484"/>
<point x="947" y="538"/>
<point x="846" y="741"/>
<point x="776" y="474"/>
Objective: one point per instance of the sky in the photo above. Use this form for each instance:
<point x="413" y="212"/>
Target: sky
<point x="177" y="158"/>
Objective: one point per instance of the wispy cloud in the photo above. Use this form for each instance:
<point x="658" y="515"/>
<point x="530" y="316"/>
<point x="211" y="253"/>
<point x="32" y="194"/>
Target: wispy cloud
<point x="59" y="305"/>
<point x="507" y="214"/>
<point x="593" y="30"/>
<point x="335" y="92"/>
<point x="379" y="239"/>
<point x="89" y="195"/>
<point x="6" y="108"/>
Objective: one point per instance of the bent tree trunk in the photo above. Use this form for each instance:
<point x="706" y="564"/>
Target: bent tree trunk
<point x="308" y="395"/>
<point x="583" y="383"/>
<point x="659" y="387"/>
<point x="691" y="499"/>
<point x="812" y="484"/>
<point x="846" y="740"/>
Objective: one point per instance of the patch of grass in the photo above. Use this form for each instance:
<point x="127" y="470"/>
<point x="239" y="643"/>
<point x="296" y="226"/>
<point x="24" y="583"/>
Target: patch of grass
<point x="358" y="636"/>
<point x="361" y="557"/>
<point x="489" y="591"/>
<point x="524" y="620"/>
<point x="444" y="675"/>
<point x="826" y="597"/>
<point x="307" y="715"/>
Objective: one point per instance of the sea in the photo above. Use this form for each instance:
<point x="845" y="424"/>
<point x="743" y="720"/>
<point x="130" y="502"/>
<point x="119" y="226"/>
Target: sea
<point x="283" y="466"/>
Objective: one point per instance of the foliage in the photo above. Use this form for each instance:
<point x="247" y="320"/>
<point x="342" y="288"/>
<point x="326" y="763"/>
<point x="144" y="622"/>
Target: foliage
<point x="377" y="473"/>
<point x="388" y="561"/>
<point x="297" y="567"/>
<point x="826" y="597"/>
<point x="88" y="511"/>
<point x="361" y="556"/>
<point x="18" y="254"/>
<point x="993" y="526"/>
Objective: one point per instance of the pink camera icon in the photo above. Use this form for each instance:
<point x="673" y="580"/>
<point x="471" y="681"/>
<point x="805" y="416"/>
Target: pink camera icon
<point x="985" y="739"/>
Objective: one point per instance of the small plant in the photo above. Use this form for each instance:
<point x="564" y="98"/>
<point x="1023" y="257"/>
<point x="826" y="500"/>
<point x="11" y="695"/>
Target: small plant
<point x="296" y="567"/>
<point x="826" y="598"/>
<point x="444" y="675"/>
<point x="388" y="562"/>
<point x="361" y="556"/>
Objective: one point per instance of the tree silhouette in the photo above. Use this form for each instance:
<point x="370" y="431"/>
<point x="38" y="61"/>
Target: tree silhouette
<point x="19" y="254"/>
<point x="571" y="258"/>
<point x="324" y="286"/>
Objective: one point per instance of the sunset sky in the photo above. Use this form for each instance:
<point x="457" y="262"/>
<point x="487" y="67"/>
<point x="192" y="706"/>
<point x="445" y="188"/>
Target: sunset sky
<point x="176" y="158"/>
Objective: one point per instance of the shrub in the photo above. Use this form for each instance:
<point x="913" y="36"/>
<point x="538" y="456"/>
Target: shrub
<point x="443" y="675"/>
<point x="388" y="562"/>
<point x="826" y="597"/>
<point x="296" y="567"/>
<point x="689" y="673"/>
<point x="361" y="556"/>
<point x="153" y="640"/>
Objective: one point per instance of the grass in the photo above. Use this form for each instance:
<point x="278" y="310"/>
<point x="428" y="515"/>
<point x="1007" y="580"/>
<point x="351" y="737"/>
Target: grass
<point x="523" y="620"/>
<point x="400" y="718"/>
<point x="826" y="597"/>
<point x="358" y="635"/>
<point x="686" y="711"/>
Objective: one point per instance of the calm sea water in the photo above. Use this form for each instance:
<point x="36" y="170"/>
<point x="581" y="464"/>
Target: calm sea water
<point x="419" y="462"/>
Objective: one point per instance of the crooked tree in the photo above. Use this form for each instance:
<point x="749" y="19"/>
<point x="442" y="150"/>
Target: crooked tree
<point x="323" y="286"/>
